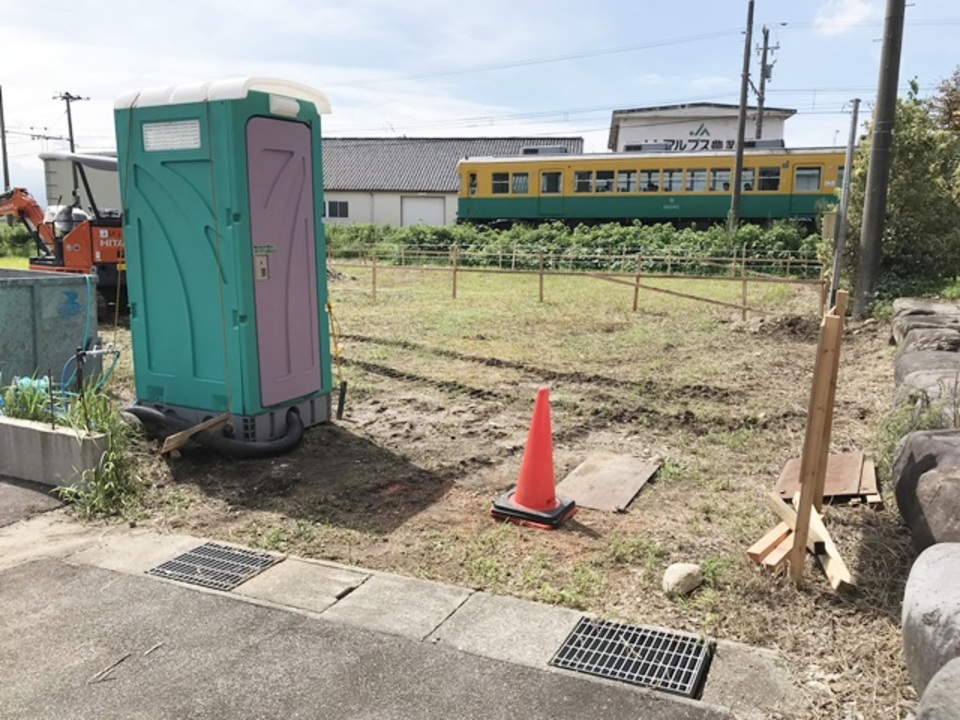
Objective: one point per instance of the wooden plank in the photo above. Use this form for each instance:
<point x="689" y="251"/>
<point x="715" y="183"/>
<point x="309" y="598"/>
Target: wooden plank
<point x="868" y="477"/>
<point x="839" y="311"/>
<point x="844" y="473"/>
<point x="779" y="556"/>
<point x="814" y="449"/>
<point x="607" y="481"/>
<point x="833" y="565"/>
<point x="765" y="545"/>
<point x="172" y="442"/>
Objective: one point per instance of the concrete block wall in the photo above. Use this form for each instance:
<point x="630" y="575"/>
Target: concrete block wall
<point x="39" y="453"/>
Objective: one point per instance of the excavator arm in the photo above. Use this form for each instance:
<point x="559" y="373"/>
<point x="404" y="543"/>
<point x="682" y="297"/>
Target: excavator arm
<point x="20" y="204"/>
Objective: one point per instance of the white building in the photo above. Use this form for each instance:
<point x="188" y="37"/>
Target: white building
<point x="691" y="127"/>
<point x="405" y="181"/>
<point x="396" y="181"/>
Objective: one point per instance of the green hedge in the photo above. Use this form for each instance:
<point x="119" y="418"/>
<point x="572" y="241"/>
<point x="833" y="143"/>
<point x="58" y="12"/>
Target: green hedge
<point x="15" y="240"/>
<point x="616" y="245"/>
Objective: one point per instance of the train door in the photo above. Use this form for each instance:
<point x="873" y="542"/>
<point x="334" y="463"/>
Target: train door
<point x="551" y="193"/>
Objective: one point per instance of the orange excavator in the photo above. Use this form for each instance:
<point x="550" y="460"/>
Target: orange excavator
<point x="70" y="240"/>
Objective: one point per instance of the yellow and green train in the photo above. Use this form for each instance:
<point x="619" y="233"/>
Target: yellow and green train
<point x="657" y="187"/>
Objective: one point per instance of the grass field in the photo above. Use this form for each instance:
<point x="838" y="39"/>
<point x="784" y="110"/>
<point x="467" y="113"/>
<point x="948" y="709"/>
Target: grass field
<point x="439" y="403"/>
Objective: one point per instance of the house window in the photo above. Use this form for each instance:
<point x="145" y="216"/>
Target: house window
<point x="840" y="176"/>
<point x="583" y="181"/>
<point x="521" y="183"/>
<point x="649" y="180"/>
<point x="672" y="180"/>
<point x="501" y="183"/>
<point x="473" y="183"/>
<point x="551" y="183"/>
<point x="807" y="179"/>
<point x="720" y="180"/>
<point x="696" y="180"/>
<point x="746" y="179"/>
<point x="769" y="179"/>
<point x="627" y="181"/>
<point x="604" y="181"/>
<point x="337" y="209"/>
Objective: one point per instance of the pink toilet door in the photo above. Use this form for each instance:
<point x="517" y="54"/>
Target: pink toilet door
<point x="280" y="176"/>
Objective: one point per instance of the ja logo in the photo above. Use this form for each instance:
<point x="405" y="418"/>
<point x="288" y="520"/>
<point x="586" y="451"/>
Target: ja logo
<point x="70" y="307"/>
<point x="700" y="131"/>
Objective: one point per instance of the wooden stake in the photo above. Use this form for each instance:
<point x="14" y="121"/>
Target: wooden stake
<point x="541" y="277"/>
<point x="765" y="545"/>
<point x="454" y="257"/>
<point x="816" y="444"/>
<point x="743" y="275"/>
<point x="374" y="258"/>
<point x="172" y="442"/>
<point x="636" y="287"/>
<point x="838" y="311"/>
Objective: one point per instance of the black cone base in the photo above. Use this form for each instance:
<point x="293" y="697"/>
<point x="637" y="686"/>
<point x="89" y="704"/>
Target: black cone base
<point x="506" y="509"/>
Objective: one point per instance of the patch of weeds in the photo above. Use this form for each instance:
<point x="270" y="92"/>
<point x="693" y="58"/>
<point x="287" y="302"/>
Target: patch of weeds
<point x="900" y="422"/>
<point x="714" y="569"/>
<point x="27" y="398"/>
<point x="112" y="487"/>
<point x="279" y="538"/>
<point x="670" y="471"/>
<point x="486" y="572"/>
<point x="585" y="585"/>
<point x="623" y="550"/>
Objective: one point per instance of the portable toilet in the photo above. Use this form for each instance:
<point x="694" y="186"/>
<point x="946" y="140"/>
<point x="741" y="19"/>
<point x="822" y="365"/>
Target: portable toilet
<point x="221" y="185"/>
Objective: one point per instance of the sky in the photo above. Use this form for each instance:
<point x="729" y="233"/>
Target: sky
<point x="443" y="68"/>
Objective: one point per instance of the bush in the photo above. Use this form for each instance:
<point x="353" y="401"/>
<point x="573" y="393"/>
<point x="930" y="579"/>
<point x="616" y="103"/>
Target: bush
<point x="15" y="240"/>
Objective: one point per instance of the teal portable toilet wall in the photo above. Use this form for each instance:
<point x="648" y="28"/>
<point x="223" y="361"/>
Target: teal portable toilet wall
<point x="221" y="185"/>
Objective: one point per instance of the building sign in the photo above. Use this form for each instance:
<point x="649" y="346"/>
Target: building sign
<point x="698" y="145"/>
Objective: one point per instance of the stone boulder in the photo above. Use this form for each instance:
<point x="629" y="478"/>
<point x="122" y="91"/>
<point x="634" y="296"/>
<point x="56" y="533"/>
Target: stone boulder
<point x="932" y="387"/>
<point x="926" y="360"/>
<point x="682" y="579"/>
<point x="903" y="325"/>
<point x="926" y="484"/>
<point x="924" y="306"/>
<point x="941" y="699"/>
<point x="931" y="613"/>
<point x="946" y="339"/>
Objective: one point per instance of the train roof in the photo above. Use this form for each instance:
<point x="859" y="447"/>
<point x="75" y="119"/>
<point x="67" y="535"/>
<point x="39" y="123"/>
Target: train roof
<point x="751" y="152"/>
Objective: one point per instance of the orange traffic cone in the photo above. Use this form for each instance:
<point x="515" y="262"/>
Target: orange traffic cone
<point x="534" y="501"/>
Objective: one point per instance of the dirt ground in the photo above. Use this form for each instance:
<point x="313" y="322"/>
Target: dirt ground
<point x="436" y="418"/>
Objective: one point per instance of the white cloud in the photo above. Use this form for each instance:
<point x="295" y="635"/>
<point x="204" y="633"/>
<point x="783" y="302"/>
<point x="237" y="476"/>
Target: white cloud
<point x="838" y="16"/>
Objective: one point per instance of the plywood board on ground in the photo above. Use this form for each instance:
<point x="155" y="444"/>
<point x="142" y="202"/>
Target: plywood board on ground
<point x="843" y="475"/>
<point x="607" y="481"/>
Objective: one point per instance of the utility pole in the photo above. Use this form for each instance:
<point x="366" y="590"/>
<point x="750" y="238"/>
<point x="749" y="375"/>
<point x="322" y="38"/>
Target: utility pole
<point x="844" y="202"/>
<point x="3" y="146"/>
<point x="766" y="72"/>
<point x="878" y="173"/>
<point x="741" y="122"/>
<point x="70" y="98"/>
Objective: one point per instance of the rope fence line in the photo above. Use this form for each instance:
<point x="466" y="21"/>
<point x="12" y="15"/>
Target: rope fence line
<point x="623" y="268"/>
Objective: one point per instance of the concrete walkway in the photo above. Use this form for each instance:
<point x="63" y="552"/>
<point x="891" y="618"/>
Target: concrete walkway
<point x="302" y="639"/>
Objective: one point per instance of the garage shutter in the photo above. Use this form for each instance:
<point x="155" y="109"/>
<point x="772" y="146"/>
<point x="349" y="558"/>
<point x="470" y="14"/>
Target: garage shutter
<point x="425" y="210"/>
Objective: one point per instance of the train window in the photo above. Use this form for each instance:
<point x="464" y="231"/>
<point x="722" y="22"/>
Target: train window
<point x="501" y="183"/>
<point x="627" y="181"/>
<point x="807" y="179"/>
<point x="746" y="179"/>
<point x="720" y="180"/>
<point x="672" y="180"/>
<point x="473" y="183"/>
<point x="521" y="183"/>
<point x="649" y="180"/>
<point x="696" y="180"/>
<point x="605" y="180"/>
<point x="551" y="183"/>
<point x="583" y="181"/>
<point x="769" y="179"/>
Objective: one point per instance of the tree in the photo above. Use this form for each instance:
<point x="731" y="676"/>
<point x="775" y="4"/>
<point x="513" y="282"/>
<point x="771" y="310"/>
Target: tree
<point x="945" y="105"/>
<point x="921" y="237"/>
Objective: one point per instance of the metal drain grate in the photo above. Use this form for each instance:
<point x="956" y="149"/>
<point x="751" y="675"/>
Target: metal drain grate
<point x="215" y="566"/>
<point x="641" y="656"/>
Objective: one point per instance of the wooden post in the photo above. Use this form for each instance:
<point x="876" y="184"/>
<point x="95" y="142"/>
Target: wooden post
<point x="623" y="257"/>
<point x="789" y="257"/>
<point x="669" y="261"/>
<point x="453" y="255"/>
<point x="500" y="258"/>
<point x="816" y="445"/>
<point x="823" y="292"/>
<point x="373" y="256"/>
<point x="403" y="255"/>
<point x="541" y="277"/>
<point x="636" y="287"/>
<point x="839" y="311"/>
<point x="743" y="277"/>
<point x="513" y="261"/>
